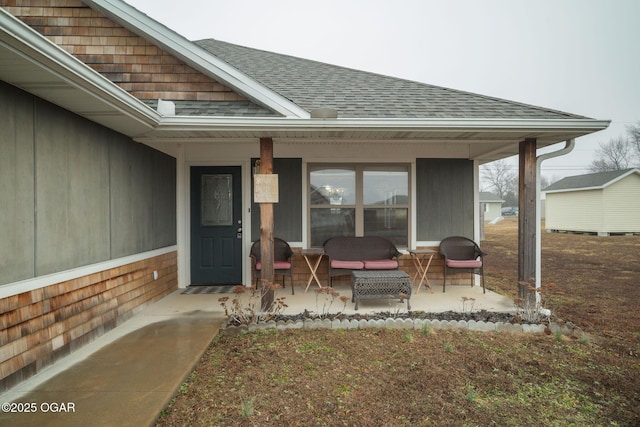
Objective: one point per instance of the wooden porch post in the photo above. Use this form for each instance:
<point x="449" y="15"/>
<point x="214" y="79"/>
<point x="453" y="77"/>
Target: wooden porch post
<point x="266" y="227"/>
<point x="527" y="216"/>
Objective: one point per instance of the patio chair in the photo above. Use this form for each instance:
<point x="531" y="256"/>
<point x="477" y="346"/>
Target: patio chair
<point x="462" y="255"/>
<point x="282" y="259"/>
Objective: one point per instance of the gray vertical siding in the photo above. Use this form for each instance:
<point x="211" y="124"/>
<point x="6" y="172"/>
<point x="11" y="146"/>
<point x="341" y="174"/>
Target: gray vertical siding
<point x="73" y="193"/>
<point x="444" y="202"/>
<point x="17" y="259"/>
<point x="132" y="200"/>
<point x="287" y="213"/>
<point x="163" y="184"/>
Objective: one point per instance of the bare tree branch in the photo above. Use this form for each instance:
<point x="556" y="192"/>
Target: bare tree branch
<point x="501" y="179"/>
<point x="634" y="141"/>
<point x="611" y="156"/>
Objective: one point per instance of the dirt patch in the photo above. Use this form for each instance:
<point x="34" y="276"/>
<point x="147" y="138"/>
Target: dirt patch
<point x="444" y="377"/>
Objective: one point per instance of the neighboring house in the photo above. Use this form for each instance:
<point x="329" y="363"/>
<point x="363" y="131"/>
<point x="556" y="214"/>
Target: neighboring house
<point x="490" y="205"/>
<point x="111" y="198"/>
<point x="603" y="203"/>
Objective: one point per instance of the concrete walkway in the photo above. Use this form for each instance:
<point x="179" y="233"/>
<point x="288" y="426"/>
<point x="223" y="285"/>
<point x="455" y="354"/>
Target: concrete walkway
<point x="125" y="377"/>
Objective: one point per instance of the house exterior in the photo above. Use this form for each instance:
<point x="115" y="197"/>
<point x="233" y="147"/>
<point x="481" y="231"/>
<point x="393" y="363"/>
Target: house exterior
<point x="490" y="206"/>
<point x="127" y="154"/>
<point x="604" y="203"/>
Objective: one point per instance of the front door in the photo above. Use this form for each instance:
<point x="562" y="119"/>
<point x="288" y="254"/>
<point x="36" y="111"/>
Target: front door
<point x="216" y="225"/>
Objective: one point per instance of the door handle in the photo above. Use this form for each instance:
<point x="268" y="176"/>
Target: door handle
<point x="239" y="233"/>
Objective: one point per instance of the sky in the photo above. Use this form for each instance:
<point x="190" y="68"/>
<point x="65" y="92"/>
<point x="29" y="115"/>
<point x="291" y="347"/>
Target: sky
<point x="578" y="56"/>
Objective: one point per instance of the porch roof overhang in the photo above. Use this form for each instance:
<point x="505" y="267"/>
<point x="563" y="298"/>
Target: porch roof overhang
<point x="487" y="139"/>
<point x="38" y="66"/>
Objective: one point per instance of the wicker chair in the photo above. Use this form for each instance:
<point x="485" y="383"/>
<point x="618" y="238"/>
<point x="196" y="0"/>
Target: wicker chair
<point x="462" y="255"/>
<point x="282" y="259"/>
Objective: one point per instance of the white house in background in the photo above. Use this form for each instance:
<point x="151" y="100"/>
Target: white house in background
<point x="490" y="205"/>
<point x="604" y="203"/>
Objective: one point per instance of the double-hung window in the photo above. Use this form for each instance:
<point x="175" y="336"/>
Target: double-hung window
<point x="359" y="200"/>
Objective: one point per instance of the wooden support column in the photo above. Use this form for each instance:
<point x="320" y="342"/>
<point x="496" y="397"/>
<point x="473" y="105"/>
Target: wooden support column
<point x="266" y="228"/>
<point x="527" y="215"/>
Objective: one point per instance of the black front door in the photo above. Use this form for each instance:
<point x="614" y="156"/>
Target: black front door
<point x="216" y="225"/>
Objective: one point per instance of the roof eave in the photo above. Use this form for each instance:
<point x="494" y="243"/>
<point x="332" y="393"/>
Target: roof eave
<point x="573" y="125"/>
<point x="538" y="127"/>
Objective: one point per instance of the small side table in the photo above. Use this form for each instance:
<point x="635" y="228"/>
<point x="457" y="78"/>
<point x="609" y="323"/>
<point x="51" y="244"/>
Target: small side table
<point x="419" y="256"/>
<point x="309" y="255"/>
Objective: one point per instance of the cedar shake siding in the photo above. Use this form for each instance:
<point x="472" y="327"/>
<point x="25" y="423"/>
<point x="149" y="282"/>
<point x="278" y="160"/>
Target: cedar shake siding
<point x="41" y="326"/>
<point x="137" y="66"/>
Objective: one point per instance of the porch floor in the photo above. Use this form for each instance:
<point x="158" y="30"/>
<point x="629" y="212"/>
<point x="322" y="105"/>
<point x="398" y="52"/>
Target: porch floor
<point x="128" y="375"/>
<point x="425" y="300"/>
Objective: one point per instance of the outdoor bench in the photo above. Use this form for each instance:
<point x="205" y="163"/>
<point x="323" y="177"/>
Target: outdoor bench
<point x="348" y="254"/>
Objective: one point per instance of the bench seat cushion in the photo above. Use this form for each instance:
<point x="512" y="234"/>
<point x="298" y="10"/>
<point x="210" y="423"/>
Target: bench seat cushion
<point x="455" y="263"/>
<point x="351" y="265"/>
<point x="277" y="265"/>
<point x="381" y="264"/>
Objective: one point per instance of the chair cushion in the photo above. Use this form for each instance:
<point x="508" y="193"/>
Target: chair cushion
<point x="351" y="265"/>
<point x="277" y="265"/>
<point x="460" y="263"/>
<point x="381" y="264"/>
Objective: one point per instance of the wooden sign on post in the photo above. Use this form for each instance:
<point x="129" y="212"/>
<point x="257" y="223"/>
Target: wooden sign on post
<point x="265" y="188"/>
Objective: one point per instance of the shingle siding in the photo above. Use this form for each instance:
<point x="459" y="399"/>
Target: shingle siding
<point x="133" y="63"/>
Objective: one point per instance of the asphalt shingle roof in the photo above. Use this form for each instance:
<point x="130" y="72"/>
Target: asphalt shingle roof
<point x="360" y="94"/>
<point x="591" y="180"/>
<point x="217" y="108"/>
<point x="486" y="196"/>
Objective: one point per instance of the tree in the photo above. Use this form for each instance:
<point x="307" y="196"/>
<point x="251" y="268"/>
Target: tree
<point x="502" y="181"/>
<point x="619" y="153"/>
<point x="634" y="141"/>
<point x="611" y="156"/>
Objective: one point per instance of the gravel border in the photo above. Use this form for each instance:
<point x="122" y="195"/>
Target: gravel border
<point x="391" y="323"/>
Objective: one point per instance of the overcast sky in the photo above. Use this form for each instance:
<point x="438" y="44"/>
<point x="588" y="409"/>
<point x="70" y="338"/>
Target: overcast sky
<point x="578" y="56"/>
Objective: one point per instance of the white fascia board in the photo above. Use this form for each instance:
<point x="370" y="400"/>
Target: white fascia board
<point x="22" y="40"/>
<point x="479" y="125"/>
<point x="137" y="22"/>
<point x="572" y="190"/>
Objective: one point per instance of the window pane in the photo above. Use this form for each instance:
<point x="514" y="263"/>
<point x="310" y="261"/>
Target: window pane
<point x="391" y="223"/>
<point x="386" y="186"/>
<point x="330" y="222"/>
<point x="217" y="200"/>
<point x="332" y="186"/>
